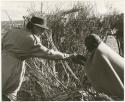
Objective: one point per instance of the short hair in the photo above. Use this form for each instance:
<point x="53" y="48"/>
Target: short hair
<point x="92" y="41"/>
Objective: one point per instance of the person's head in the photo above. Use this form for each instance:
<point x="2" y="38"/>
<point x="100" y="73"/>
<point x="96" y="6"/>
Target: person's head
<point x="37" y="25"/>
<point x="92" y="41"/>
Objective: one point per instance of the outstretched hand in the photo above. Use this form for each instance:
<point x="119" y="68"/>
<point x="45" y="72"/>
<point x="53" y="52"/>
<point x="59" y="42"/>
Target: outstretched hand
<point x="79" y="59"/>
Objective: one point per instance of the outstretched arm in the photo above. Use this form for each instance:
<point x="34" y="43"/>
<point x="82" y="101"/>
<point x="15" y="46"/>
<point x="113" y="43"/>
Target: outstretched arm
<point x="43" y="52"/>
<point x="32" y="47"/>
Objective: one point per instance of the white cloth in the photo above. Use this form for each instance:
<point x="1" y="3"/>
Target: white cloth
<point x="105" y="70"/>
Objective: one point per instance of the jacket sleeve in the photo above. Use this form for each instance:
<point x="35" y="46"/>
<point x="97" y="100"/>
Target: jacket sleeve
<point x="34" y="48"/>
<point x="24" y="45"/>
<point x="43" y="52"/>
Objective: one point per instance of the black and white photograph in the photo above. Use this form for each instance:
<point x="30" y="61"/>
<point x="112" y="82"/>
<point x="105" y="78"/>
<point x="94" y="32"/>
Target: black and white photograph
<point x="62" y="50"/>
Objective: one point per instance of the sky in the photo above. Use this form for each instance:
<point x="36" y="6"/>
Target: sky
<point x="18" y="8"/>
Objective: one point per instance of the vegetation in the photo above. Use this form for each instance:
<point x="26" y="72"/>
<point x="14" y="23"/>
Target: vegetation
<point x="63" y="80"/>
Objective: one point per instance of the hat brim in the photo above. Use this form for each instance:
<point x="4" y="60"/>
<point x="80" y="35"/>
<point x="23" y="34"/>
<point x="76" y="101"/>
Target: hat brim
<point x="42" y="26"/>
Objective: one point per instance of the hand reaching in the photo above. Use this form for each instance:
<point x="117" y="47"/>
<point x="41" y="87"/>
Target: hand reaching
<point x="79" y="59"/>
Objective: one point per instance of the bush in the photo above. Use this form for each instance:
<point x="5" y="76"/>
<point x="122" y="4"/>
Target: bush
<point x="58" y="80"/>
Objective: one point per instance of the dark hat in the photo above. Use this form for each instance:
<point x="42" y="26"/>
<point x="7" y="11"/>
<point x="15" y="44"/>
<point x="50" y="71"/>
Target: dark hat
<point x="40" y="22"/>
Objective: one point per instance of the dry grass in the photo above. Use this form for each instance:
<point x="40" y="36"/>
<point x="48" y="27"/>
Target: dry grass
<point x="60" y="80"/>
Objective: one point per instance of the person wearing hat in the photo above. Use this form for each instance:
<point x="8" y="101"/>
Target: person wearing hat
<point x="18" y="45"/>
<point x="104" y="68"/>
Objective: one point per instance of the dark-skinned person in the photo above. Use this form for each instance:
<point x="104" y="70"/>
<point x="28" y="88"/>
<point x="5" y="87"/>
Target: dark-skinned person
<point x="104" y="68"/>
<point x="19" y="44"/>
